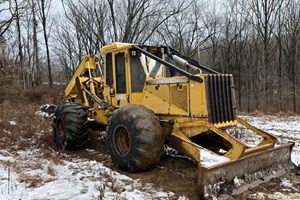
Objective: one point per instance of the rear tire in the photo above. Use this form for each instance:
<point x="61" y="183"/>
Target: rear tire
<point x="70" y="126"/>
<point x="134" y="138"/>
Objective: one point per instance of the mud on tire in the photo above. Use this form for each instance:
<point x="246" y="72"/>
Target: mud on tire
<point x="134" y="138"/>
<point x="70" y="126"/>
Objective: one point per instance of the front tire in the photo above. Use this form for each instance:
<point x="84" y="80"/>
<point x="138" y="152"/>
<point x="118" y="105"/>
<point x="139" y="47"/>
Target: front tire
<point x="134" y="138"/>
<point x="70" y="126"/>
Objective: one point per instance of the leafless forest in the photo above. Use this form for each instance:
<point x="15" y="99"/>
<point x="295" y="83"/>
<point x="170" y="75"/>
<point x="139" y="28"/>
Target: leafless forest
<point x="258" y="41"/>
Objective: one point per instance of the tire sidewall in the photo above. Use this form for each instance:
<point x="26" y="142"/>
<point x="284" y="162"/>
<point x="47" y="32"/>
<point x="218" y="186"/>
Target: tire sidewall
<point x="59" y="140"/>
<point x="74" y="120"/>
<point x="128" y="117"/>
<point x="126" y="160"/>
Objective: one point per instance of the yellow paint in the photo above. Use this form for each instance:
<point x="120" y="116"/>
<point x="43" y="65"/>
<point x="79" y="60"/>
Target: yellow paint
<point x="137" y="98"/>
<point x="115" y="47"/>
<point x="86" y="63"/>
<point x="198" y="105"/>
<point x="100" y="116"/>
<point x="163" y="91"/>
<point x="155" y="103"/>
<point x="185" y="146"/>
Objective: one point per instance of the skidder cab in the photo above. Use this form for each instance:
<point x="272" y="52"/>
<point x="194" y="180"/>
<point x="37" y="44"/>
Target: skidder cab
<point x="148" y="96"/>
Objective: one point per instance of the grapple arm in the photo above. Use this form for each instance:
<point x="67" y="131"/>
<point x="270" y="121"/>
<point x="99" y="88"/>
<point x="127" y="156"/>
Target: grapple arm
<point x="83" y="81"/>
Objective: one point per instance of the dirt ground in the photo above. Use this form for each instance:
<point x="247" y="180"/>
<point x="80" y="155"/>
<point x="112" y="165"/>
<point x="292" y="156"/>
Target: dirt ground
<point x="173" y="173"/>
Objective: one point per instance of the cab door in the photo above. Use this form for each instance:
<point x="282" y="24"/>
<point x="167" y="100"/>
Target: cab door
<point x="121" y="98"/>
<point x="117" y="75"/>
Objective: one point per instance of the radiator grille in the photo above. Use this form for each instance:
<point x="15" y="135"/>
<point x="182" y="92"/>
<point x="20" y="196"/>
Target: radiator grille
<point x="220" y="98"/>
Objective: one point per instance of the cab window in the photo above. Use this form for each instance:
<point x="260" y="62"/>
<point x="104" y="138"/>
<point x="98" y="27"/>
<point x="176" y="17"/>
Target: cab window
<point x="120" y="73"/>
<point x="109" y="72"/>
<point x="138" y="75"/>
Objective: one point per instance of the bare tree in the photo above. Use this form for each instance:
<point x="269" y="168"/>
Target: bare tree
<point x="44" y="9"/>
<point x="7" y="14"/>
<point x="137" y="20"/>
<point x="187" y="34"/>
<point x="94" y="24"/>
<point x="291" y="47"/>
<point x="233" y="44"/>
<point x="265" y="17"/>
<point x="18" y="15"/>
<point x="68" y="49"/>
<point x="36" y="62"/>
<point x="89" y="21"/>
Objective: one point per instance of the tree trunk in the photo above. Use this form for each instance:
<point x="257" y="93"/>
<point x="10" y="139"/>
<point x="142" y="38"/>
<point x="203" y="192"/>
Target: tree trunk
<point x="35" y="46"/>
<point x="20" y="53"/>
<point x="44" y="23"/>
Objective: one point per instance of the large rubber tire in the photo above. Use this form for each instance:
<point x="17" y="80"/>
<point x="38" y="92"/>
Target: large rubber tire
<point x="70" y="126"/>
<point x="134" y="138"/>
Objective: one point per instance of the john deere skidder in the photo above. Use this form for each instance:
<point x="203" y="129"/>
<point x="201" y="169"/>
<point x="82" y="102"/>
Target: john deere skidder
<point x="151" y="96"/>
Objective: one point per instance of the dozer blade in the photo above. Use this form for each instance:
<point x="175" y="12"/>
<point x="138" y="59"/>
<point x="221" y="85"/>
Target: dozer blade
<point x="234" y="177"/>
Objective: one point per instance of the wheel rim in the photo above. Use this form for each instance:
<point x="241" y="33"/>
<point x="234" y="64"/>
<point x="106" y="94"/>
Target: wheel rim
<point x="122" y="141"/>
<point x="60" y="128"/>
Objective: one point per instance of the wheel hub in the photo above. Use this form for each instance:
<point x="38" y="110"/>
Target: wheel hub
<point x="122" y="141"/>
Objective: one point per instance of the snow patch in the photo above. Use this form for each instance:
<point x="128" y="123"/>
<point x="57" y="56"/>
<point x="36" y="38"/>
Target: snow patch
<point x="10" y="187"/>
<point x="46" y="110"/>
<point x="208" y="159"/>
<point x="286" y="183"/>
<point x="236" y="182"/>
<point x="73" y="179"/>
<point x="13" y="123"/>
<point x="276" y="195"/>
